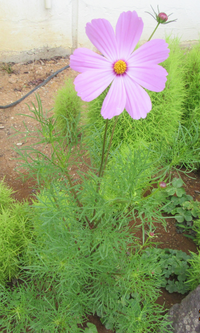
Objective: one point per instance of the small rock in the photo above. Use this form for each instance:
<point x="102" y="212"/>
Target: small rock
<point x="19" y="144"/>
<point x="185" y="316"/>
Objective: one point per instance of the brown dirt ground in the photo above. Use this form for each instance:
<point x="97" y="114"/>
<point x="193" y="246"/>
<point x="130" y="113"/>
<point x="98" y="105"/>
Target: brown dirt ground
<point x="15" y="85"/>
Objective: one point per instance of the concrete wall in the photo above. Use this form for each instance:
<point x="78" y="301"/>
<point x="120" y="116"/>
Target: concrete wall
<point x="29" y="31"/>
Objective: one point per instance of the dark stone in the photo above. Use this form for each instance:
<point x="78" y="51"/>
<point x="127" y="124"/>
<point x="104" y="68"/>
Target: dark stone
<point x="185" y="316"/>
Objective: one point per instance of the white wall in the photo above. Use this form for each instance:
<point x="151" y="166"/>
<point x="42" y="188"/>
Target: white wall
<point x="28" y="31"/>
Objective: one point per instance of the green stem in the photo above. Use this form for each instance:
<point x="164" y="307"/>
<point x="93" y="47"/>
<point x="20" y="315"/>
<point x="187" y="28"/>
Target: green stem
<point x="103" y="148"/>
<point x="153" y="32"/>
<point x="69" y="179"/>
<point x="102" y="158"/>
<point x="109" y="145"/>
<point x="102" y="166"/>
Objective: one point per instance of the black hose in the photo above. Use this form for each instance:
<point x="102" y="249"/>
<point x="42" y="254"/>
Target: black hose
<point x="30" y="92"/>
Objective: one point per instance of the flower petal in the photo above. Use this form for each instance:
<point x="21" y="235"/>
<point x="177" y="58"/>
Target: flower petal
<point x="101" y="34"/>
<point x="89" y="85"/>
<point x="151" y="77"/>
<point x="128" y="32"/>
<point x="153" y="52"/>
<point x="115" y="100"/>
<point x="84" y="59"/>
<point x="138" y="102"/>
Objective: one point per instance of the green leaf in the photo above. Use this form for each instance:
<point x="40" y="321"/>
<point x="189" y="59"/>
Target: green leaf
<point x="188" y="216"/>
<point x="189" y="236"/>
<point x="174" y="211"/>
<point x="180" y="192"/>
<point x="176" y="201"/>
<point x="187" y="205"/>
<point x="171" y="190"/>
<point x="177" y="182"/>
<point x="189" y="197"/>
<point x="195" y="211"/>
<point x="182" y="200"/>
<point x="171" y="288"/>
<point x="181" y="211"/>
<point x="179" y="218"/>
<point x="91" y="328"/>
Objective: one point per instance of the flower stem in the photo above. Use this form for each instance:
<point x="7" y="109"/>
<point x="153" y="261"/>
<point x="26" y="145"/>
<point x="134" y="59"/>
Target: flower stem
<point x="109" y="145"/>
<point x="153" y="32"/>
<point x="68" y="178"/>
<point x="102" y="158"/>
<point x="102" y="166"/>
<point x="103" y="148"/>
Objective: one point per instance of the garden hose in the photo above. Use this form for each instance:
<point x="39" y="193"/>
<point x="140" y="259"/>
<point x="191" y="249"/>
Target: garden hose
<point x="30" y="92"/>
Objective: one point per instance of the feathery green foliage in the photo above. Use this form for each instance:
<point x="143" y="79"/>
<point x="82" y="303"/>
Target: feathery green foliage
<point x="192" y="85"/>
<point x="5" y="196"/>
<point x="15" y="233"/>
<point x="78" y="260"/>
<point x="191" y="107"/>
<point x="193" y="273"/>
<point x="67" y="107"/>
<point x="76" y="270"/>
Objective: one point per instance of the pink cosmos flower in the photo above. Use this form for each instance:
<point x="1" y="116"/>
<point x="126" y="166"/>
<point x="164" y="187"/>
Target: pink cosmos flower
<point x="125" y="70"/>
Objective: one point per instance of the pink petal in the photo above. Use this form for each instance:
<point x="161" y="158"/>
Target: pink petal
<point x="138" y="102"/>
<point x="115" y="100"/>
<point x="84" y="59"/>
<point x="102" y="36"/>
<point x="128" y="32"/>
<point x="151" y="77"/>
<point x="91" y="84"/>
<point x="155" y="51"/>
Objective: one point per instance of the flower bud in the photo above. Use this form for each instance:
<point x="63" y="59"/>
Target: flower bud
<point x="162" y="184"/>
<point x="162" y="17"/>
<point x="151" y="234"/>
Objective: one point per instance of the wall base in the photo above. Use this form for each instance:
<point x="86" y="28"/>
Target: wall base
<point x="47" y="53"/>
<point x="34" y="54"/>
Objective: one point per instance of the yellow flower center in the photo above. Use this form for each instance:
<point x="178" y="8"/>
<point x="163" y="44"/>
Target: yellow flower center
<point x="120" y="67"/>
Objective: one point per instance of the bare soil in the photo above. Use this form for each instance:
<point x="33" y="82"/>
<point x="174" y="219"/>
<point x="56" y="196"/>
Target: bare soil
<point x="15" y="85"/>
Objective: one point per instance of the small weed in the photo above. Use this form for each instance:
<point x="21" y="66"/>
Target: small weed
<point x="181" y="206"/>
<point x="173" y="266"/>
<point x="7" y="67"/>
